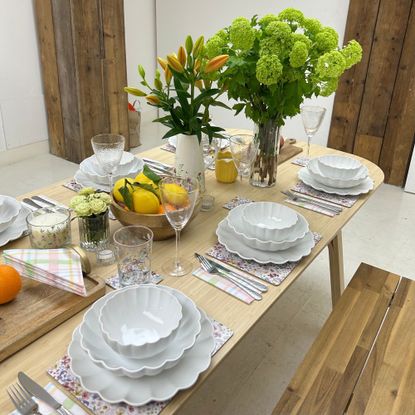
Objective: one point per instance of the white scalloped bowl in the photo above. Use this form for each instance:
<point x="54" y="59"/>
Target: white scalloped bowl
<point x="9" y="210"/>
<point x="314" y="170"/>
<point x="138" y="321"/>
<point x="339" y="167"/>
<point x="268" y="220"/>
<point x="129" y="166"/>
<point x="298" y="232"/>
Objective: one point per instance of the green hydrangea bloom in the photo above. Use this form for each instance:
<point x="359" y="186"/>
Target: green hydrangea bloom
<point x="312" y="25"/>
<point x="329" y="87"/>
<point x="214" y="46"/>
<point x="106" y="198"/>
<point x="223" y="35"/>
<point x="86" y="191"/>
<point x="352" y="53"/>
<point x="269" y="46"/>
<point x="299" y="37"/>
<point x="278" y="30"/>
<point x="298" y="55"/>
<point x="267" y="19"/>
<point x="97" y="206"/>
<point x="76" y="200"/>
<point x="330" y="65"/>
<point x="268" y="69"/>
<point x="292" y="15"/>
<point x="83" y="209"/>
<point x="241" y="34"/>
<point x="327" y="39"/>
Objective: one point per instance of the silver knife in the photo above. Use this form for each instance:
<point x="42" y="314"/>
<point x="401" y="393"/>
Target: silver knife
<point x="38" y="392"/>
<point x="158" y="163"/>
<point x="40" y="199"/>
<point x="31" y="203"/>
<point x="259" y="286"/>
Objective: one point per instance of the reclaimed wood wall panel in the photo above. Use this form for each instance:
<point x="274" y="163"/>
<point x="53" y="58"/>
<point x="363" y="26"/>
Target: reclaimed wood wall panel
<point x="372" y="109"/>
<point x="91" y="67"/>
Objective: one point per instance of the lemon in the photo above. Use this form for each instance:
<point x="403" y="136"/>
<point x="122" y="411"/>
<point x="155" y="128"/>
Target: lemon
<point x="117" y="186"/>
<point x="145" y="202"/>
<point x="175" y="194"/>
<point x="142" y="178"/>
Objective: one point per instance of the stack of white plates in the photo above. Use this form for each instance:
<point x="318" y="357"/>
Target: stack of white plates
<point x="12" y="219"/>
<point x="140" y="344"/>
<point x="340" y="175"/>
<point x="266" y="232"/>
<point x="91" y="174"/>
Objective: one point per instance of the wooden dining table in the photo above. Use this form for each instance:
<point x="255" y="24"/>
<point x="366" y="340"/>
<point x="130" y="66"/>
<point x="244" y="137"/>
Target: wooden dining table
<point x="198" y="236"/>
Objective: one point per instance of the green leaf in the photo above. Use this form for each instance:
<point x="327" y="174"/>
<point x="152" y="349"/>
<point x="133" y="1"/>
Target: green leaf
<point x="146" y="186"/>
<point x="150" y="174"/>
<point x="126" y="195"/>
<point x="172" y="132"/>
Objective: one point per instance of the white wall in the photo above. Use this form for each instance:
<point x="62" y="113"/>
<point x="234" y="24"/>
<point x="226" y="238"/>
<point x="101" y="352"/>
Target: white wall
<point x="177" y="19"/>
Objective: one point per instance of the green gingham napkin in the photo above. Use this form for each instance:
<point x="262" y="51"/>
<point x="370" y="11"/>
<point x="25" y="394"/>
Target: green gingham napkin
<point x="60" y="268"/>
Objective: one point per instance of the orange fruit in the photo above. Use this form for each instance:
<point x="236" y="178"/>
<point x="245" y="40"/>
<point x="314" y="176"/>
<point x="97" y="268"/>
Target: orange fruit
<point x="10" y="283"/>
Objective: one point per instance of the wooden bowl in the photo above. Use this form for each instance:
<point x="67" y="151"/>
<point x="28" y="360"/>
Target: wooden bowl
<point x="158" y="222"/>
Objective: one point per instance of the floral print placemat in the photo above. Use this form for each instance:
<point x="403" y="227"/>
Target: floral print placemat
<point x="274" y="274"/>
<point x="301" y="161"/>
<point x="114" y="281"/>
<point x="62" y="373"/>
<point x="168" y="147"/>
<point x="236" y="201"/>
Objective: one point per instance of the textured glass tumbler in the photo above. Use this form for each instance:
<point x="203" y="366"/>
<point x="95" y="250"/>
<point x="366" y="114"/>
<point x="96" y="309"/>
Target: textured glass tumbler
<point x="94" y="231"/>
<point x="133" y="246"/>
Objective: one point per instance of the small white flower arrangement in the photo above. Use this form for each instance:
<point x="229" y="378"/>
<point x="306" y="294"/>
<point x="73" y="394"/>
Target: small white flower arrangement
<point x="88" y="202"/>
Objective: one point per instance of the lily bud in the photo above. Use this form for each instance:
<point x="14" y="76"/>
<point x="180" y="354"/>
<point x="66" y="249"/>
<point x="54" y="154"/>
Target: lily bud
<point x="152" y="99"/>
<point x="197" y="65"/>
<point x="189" y="44"/>
<point x="168" y="75"/>
<point x="199" y="84"/>
<point x="141" y="71"/>
<point x="158" y="84"/>
<point x="216" y="63"/>
<point x="162" y="62"/>
<point x="198" y="46"/>
<point x="134" y="91"/>
<point x="181" y="55"/>
<point x="174" y="63"/>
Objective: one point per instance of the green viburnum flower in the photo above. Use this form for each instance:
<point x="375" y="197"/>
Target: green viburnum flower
<point x="298" y="55"/>
<point x="329" y="86"/>
<point x="268" y="46"/>
<point x="292" y="15"/>
<point x="299" y="37"/>
<point x="98" y="206"/>
<point x="82" y="209"/>
<point x="241" y="34"/>
<point x="214" y="46"/>
<point x="223" y="35"/>
<point x="312" y="25"/>
<point x="278" y="30"/>
<point x="352" y="53"/>
<point x="76" y="200"/>
<point x="267" y="19"/>
<point x="330" y="65"/>
<point x="327" y="39"/>
<point x="86" y="191"/>
<point x="268" y="69"/>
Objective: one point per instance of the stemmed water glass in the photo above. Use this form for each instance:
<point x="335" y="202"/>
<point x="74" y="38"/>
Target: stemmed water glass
<point x="312" y="117"/>
<point x="178" y="196"/>
<point x="108" y="149"/>
<point x="244" y="148"/>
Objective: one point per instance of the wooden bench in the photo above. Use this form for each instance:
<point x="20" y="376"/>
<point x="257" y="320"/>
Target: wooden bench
<point x="363" y="360"/>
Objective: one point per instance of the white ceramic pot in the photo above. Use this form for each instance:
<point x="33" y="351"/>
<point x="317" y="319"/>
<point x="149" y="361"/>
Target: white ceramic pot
<point x="189" y="159"/>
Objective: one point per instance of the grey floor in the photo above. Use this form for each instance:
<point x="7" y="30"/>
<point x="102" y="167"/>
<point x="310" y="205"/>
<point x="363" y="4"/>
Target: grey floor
<point x="251" y="380"/>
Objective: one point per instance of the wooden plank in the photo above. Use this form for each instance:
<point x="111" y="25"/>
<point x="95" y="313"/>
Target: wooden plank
<point x="68" y="84"/>
<point x="335" y="248"/>
<point x="361" y="22"/>
<point x="50" y="75"/>
<point x="368" y="146"/>
<point x="114" y="67"/>
<point x="388" y="380"/>
<point x="382" y="70"/>
<point x="400" y="129"/>
<point x="326" y="378"/>
<point x="38" y="309"/>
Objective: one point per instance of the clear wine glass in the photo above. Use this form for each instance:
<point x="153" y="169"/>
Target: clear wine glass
<point x="243" y="148"/>
<point x="178" y="196"/>
<point x="312" y="117"/>
<point x="108" y="149"/>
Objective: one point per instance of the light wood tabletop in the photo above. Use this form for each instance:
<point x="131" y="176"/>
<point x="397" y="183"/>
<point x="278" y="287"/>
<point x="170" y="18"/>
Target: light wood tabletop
<point x="198" y="236"/>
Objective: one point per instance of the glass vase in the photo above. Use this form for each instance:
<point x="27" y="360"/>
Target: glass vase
<point x="94" y="231"/>
<point x="264" y="166"/>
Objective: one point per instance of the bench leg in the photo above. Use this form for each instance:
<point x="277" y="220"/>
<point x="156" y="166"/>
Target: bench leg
<point x="336" y="267"/>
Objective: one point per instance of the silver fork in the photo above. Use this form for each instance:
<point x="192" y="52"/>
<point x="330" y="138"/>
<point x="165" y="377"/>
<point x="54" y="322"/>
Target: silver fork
<point x="320" y="203"/>
<point x="244" y="286"/>
<point x="22" y="400"/>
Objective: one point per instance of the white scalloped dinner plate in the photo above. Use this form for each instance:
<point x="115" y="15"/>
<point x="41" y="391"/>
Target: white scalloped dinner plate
<point x="233" y="243"/>
<point x="137" y="392"/>
<point x="362" y="188"/>
<point x="103" y="355"/>
<point x="16" y="229"/>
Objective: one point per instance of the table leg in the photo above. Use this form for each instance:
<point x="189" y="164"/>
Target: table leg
<point x="336" y="267"/>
